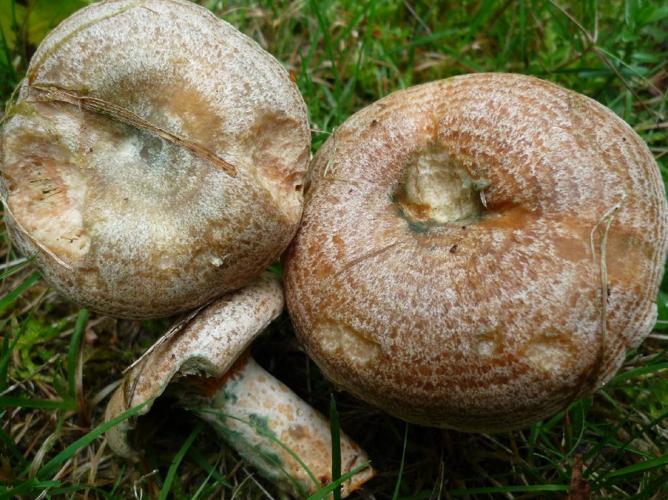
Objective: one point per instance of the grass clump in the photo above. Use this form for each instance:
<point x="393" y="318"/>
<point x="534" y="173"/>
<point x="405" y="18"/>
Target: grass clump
<point x="58" y="365"/>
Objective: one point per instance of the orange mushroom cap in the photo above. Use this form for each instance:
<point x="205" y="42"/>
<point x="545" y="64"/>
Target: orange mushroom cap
<point x="478" y="252"/>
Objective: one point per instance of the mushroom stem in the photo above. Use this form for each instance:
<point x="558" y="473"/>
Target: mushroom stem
<point x="287" y="440"/>
<point x="203" y="362"/>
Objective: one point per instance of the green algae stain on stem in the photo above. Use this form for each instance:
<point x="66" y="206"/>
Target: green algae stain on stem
<point x="261" y="453"/>
<point x="289" y="442"/>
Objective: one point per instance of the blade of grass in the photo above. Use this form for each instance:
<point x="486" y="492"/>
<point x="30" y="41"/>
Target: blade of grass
<point x="5" y="353"/>
<point x="15" y="269"/>
<point x="397" y="486"/>
<point x="176" y="461"/>
<point x="639" y="467"/>
<point x="202" y="486"/>
<point x="7" y="349"/>
<point x="638" y="372"/>
<point x="533" y="488"/>
<point x="326" y="490"/>
<point x="73" y="353"/>
<point x="206" y="466"/>
<point x="11" y="445"/>
<point x="47" y="404"/>
<point x="112" y="494"/>
<point x="27" y="486"/>
<point x="336" y="445"/>
<point x="523" y="31"/>
<point x="67" y="453"/>
<point x="7" y="53"/>
<point x="324" y="29"/>
<point x="58" y="492"/>
<point x="9" y="299"/>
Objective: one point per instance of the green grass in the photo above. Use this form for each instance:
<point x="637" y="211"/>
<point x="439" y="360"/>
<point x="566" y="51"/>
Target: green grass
<point x="58" y="366"/>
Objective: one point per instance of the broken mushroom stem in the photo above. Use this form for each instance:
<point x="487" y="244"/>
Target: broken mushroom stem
<point x="206" y="365"/>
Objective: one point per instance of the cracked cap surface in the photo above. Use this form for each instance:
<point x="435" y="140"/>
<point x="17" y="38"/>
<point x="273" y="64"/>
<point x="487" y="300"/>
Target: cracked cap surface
<point x="444" y="269"/>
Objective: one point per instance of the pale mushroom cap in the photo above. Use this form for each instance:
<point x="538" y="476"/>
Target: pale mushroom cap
<point x="207" y="344"/>
<point x="154" y="158"/>
<point x="444" y="307"/>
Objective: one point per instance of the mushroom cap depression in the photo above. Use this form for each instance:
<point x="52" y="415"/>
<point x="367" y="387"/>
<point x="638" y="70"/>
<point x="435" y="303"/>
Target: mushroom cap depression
<point x="153" y="159"/>
<point x="478" y="252"/>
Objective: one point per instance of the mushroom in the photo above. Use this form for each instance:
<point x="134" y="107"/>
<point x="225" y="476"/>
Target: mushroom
<point x="153" y="159"/>
<point x="478" y="252"/>
<point x="206" y="362"/>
